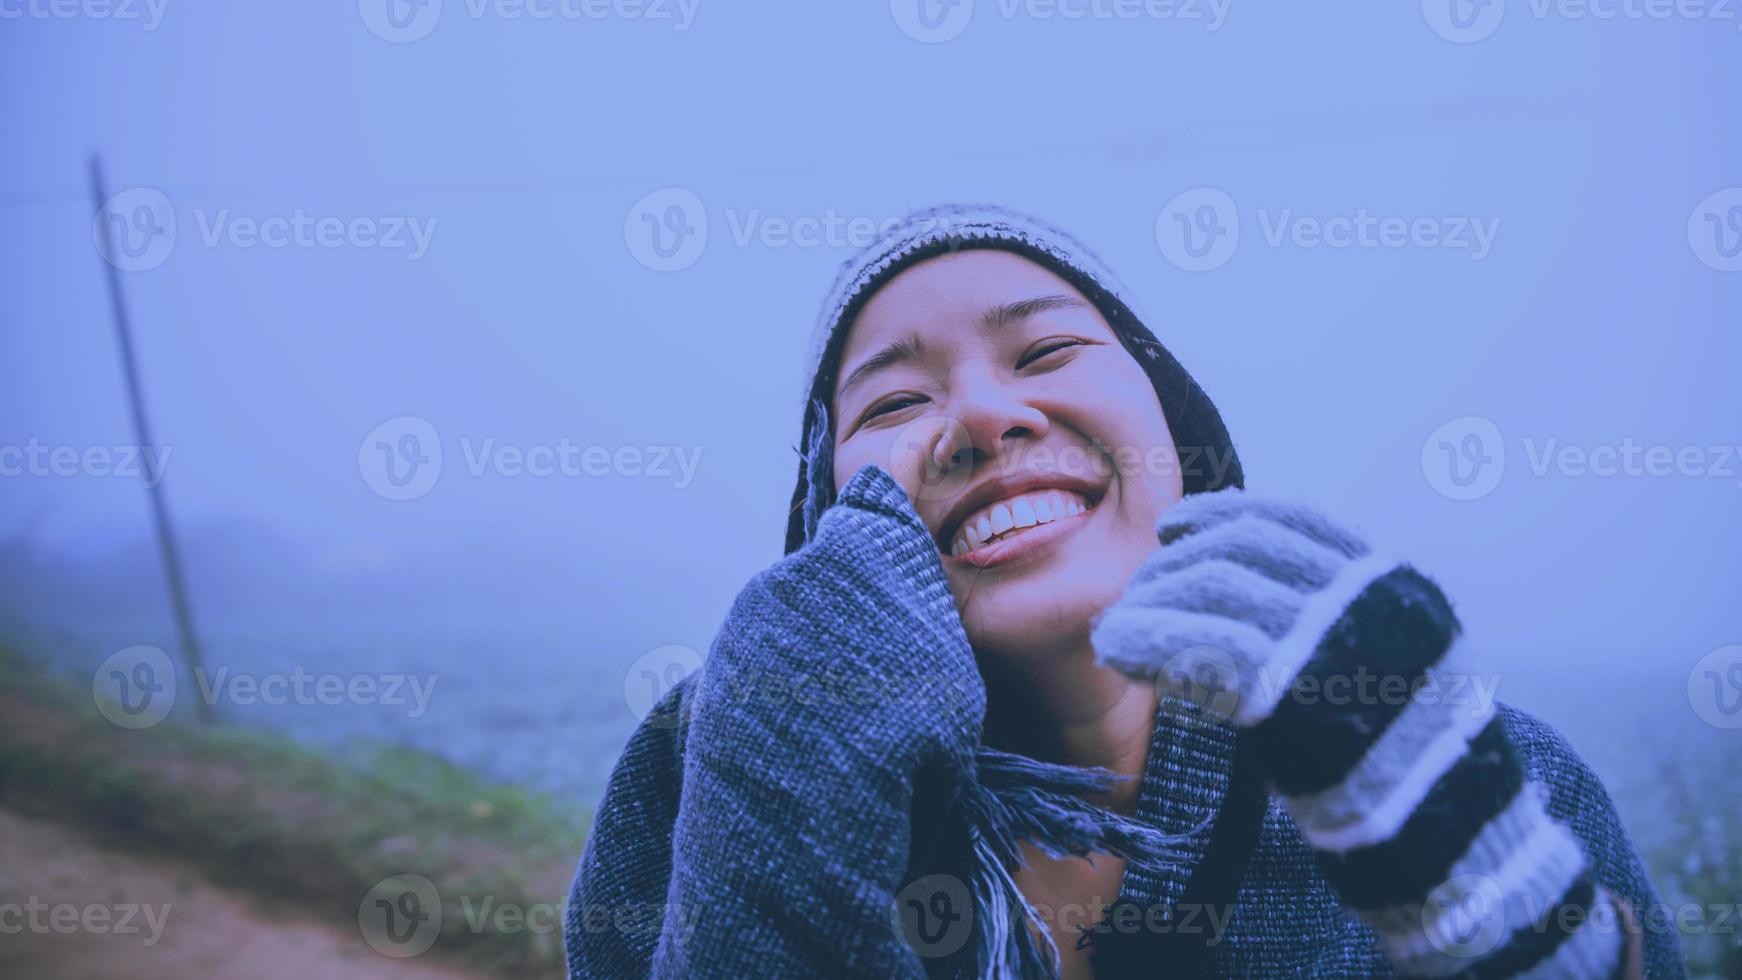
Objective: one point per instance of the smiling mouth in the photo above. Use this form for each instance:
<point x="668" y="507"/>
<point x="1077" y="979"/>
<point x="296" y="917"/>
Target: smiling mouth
<point x="1015" y="516"/>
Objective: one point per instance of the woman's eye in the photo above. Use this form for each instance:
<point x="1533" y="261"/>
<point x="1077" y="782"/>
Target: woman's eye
<point x="1049" y="347"/>
<point x="892" y="405"/>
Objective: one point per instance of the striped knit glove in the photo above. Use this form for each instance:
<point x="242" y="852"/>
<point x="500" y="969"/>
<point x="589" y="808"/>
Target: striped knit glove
<point x="1345" y="666"/>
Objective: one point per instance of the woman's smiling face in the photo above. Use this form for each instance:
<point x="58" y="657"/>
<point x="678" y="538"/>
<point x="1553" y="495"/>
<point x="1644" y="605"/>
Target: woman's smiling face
<point x="1058" y="459"/>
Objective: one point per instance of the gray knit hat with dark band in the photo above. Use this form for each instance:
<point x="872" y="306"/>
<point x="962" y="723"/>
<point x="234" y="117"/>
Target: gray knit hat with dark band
<point x="1206" y="453"/>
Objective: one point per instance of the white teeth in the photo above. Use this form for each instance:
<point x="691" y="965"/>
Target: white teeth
<point x="1021" y="511"/>
<point x="1001" y="521"/>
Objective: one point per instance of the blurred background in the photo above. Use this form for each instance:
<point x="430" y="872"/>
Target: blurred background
<point x="470" y="337"/>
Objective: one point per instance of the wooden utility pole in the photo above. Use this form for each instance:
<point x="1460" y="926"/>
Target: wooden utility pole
<point x="184" y="621"/>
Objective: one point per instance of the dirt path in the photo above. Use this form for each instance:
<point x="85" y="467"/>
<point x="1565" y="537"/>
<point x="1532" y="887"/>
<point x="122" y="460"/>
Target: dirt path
<point x="55" y="881"/>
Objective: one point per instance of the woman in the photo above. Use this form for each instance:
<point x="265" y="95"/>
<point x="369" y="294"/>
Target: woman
<point x="978" y="723"/>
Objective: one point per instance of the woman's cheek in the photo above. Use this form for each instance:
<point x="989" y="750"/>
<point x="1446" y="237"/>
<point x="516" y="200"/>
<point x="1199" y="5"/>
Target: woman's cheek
<point x="859" y="450"/>
<point x="845" y="463"/>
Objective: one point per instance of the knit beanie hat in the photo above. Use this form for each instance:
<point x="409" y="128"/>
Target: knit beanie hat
<point x="1205" y="451"/>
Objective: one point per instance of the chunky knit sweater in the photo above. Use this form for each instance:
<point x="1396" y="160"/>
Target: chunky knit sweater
<point x="816" y="802"/>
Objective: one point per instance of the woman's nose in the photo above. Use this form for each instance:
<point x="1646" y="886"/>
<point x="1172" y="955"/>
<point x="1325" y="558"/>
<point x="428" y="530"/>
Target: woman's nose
<point x="990" y="421"/>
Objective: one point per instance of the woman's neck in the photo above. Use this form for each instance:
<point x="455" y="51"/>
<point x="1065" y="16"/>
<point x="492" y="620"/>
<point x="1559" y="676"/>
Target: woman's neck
<point x="1069" y="710"/>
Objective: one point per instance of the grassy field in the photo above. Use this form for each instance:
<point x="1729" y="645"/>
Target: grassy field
<point x="261" y="812"/>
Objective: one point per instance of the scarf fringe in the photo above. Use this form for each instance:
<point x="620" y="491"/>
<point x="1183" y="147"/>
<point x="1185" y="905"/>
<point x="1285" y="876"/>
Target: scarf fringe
<point x="1017" y="798"/>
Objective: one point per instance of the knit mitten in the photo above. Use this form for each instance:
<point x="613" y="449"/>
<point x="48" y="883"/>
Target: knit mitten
<point x="841" y="674"/>
<point x="1347" y="667"/>
<point x="833" y="744"/>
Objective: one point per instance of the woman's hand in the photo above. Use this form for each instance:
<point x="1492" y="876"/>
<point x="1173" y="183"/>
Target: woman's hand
<point x="1347" y="669"/>
<point x="1229" y="610"/>
<point x="838" y="710"/>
